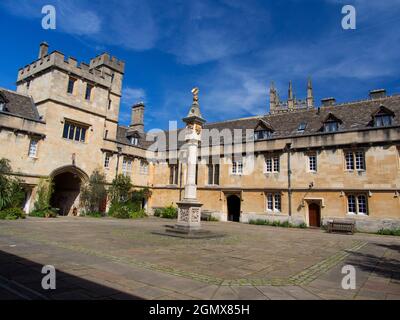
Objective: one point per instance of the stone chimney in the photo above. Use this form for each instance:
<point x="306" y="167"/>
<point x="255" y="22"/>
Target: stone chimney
<point x="43" y="50"/>
<point x="328" y="102"/>
<point x="291" y="102"/>
<point x="137" y="118"/>
<point x="377" y="94"/>
<point x="310" y="96"/>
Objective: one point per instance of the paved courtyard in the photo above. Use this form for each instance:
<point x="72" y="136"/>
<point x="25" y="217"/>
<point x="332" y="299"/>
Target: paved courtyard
<point x="118" y="259"/>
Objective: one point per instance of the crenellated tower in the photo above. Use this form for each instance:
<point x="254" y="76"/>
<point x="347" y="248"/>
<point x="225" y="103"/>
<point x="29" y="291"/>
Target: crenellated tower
<point x="65" y="90"/>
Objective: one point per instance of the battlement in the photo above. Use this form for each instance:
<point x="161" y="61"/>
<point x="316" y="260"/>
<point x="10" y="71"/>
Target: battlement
<point x="284" y="106"/>
<point x="90" y="72"/>
<point x="105" y="60"/>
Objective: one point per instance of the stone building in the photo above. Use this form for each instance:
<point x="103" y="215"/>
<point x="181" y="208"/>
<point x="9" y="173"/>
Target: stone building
<point x="298" y="162"/>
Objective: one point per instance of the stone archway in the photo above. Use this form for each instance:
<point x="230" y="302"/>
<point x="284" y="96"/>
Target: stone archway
<point x="67" y="184"/>
<point x="234" y="204"/>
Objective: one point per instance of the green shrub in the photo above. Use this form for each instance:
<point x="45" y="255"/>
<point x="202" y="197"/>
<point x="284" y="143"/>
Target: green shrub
<point x="12" y="214"/>
<point x="127" y="210"/>
<point x="49" y="213"/>
<point x="138" y="214"/>
<point x="259" y="222"/>
<point x="12" y="194"/>
<point x="94" y="214"/>
<point x="158" y="212"/>
<point x="93" y="192"/>
<point x="389" y="232"/>
<point x="44" y="193"/>
<point x="169" y="212"/>
<point x="120" y="189"/>
<point x="284" y="224"/>
<point x="119" y="211"/>
<point x="212" y="219"/>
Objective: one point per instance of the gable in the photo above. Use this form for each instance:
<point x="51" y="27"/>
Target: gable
<point x="382" y="111"/>
<point x="263" y="125"/>
<point x="332" y="118"/>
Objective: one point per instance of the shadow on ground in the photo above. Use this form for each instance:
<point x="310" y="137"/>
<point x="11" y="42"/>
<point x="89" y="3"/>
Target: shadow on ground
<point x="20" y="279"/>
<point x="387" y="267"/>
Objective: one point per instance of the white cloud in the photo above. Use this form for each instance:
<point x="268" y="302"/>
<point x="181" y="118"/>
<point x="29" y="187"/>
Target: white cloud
<point x="130" y="95"/>
<point x="209" y="31"/>
<point x="125" y="23"/>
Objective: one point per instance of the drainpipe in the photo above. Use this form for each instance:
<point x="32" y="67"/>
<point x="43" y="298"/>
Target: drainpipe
<point x="289" y="176"/>
<point x="117" y="166"/>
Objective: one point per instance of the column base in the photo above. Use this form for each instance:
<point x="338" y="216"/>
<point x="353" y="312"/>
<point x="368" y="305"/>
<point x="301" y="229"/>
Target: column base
<point x="188" y="225"/>
<point x="189" y="215"/>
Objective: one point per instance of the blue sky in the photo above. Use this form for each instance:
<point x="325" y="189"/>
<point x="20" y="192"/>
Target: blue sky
<point x="231" y="49"/>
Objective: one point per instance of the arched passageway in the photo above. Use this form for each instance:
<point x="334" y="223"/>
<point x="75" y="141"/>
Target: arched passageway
<point x="67" y="185"/>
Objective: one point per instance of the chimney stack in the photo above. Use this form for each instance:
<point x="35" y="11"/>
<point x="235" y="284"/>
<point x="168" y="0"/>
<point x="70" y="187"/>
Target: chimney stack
<point x="291" y="101"/>
<point x="137" y="118"/>
<point x="44" y="50"/>
<point x="310" y="96"/>
<point x="328" y="102"/>
<point x="377" y="94"/>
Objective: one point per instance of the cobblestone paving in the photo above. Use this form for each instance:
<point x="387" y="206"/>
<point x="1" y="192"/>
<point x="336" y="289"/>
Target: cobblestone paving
<point x="114" y="259"/>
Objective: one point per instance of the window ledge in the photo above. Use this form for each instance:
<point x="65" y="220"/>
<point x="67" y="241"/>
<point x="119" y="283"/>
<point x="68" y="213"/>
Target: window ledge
<point x="74" y="141"/>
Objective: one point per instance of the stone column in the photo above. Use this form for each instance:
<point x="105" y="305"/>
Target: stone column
<point x="189" y="210"/>
<point x="190" y="186"/>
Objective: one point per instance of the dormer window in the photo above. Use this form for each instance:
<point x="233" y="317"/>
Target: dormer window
<point x="331" y="126"/>
<point x="263" y="130"/>
<point x="302" y="126"/>
<point x="262" y="134"/>
<point x="331" y="123"/>
<point x="383" y="121"/>
<point x="3" y="102"/>
<point x="134" y="141"/>
<point x="383" y="117"/>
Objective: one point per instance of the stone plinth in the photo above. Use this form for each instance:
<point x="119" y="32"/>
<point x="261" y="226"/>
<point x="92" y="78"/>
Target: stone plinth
<point x="189" y="215"/>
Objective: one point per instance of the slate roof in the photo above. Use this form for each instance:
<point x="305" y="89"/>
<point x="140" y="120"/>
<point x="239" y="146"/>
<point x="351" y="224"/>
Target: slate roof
<point x="353" y="116"/>
<point x="19" y="105"/>
<point x="122" y="137"/>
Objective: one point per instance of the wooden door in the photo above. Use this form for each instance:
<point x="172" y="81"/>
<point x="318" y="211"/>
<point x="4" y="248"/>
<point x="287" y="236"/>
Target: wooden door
<point x="314" y="215"/>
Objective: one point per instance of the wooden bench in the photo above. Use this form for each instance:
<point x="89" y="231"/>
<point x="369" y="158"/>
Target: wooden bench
<point x="341" y="226"/>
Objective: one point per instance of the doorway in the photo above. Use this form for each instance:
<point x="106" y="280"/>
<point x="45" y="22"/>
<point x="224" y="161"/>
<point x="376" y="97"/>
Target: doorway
<point x="233" y="202"/>
<point x="314" y="215"/>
